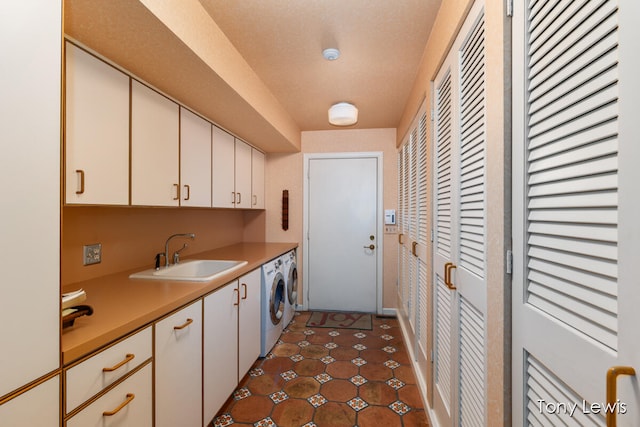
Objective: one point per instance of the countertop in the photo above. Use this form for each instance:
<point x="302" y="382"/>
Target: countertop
<point x="122" y="305"/>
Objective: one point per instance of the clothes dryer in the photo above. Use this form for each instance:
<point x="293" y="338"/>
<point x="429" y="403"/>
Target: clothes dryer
<point x="273" y="305"/>
<point x="290" y="272"/>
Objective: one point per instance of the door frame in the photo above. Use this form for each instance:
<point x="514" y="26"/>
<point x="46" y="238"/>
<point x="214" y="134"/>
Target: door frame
<point x="378" y="155"/>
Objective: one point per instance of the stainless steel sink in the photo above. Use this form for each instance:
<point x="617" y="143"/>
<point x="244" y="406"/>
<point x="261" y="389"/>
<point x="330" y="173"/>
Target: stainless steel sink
<point x="200" y="270"/>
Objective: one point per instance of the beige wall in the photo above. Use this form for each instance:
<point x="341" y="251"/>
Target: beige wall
<point x="285" y="172"/>
<point x="131" y="237"/>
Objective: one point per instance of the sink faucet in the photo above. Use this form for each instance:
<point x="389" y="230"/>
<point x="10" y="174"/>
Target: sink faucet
<point x="166" y="246"/>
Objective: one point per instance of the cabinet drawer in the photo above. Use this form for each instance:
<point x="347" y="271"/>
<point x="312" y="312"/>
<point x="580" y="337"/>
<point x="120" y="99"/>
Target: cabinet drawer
<point x="129" y="404"/>
<point x="93" y="375"/>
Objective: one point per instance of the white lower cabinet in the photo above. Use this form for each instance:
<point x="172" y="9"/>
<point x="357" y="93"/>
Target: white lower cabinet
<point x="220" y="348"/>
<point x="39" y="406"/>
<point x="231" y="339"/>
<point x="249" y="322"/>
<point x="88" y="378"/>
<point x="128" y="404"/>
<point x="178" y="368"/>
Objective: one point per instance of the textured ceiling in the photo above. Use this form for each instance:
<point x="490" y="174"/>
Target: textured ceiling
<point x="381" y="44"/>
<point x="255" y="67"/>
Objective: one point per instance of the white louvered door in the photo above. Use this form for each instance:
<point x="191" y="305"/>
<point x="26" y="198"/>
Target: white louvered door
<point x="576" y="295"/>
<point x="459" y="242"/>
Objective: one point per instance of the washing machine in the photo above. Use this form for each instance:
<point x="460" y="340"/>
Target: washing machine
<point x="273" y="304"/>
<point x="290" y="272"/>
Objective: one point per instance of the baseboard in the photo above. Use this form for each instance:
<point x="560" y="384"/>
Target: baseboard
<point x="421" y="377"/>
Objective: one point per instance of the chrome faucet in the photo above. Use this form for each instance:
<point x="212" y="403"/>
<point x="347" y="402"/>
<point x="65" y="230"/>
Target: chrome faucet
<point x="176" y="256"/>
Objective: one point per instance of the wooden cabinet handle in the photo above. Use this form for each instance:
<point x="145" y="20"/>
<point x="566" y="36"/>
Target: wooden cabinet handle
<point x="186" y="187"/>
<point x="184" y="325"/>
<point x="237" y="292"/>
<point x="239" y="196"/>
<point x="177" y="187"/>
<point x="130" y="397"/>
<point x="128" y="358"/>
<point x="414" y="247"/>
<point x="81" y="172"/>
<point x="244" y="286"/>
<point x="233" y="197"/>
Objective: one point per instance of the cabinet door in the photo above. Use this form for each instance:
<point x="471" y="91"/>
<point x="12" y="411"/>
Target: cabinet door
<point x="243" y="175"/>
<point x="96" y="131"/>
<point x="257" y="179"/>
<point x="154" y="148"/>
<point x="30" y="174"/>
<point x="178" y="368"/>
<point x="19" y="412"/>
<point x="220" y="347"/>
<point x="129" y="404"/>
<point x="222" y="177"/>
<point x="249" y="322"/>
<point x="195" y="160"/>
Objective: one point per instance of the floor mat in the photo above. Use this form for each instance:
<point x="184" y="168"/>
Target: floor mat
<point x="339" y="320"/>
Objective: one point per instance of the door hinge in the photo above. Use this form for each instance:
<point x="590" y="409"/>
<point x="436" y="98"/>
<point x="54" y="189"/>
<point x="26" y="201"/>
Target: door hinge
<point x="509" y="261"/>
<point x="509" y="8"/>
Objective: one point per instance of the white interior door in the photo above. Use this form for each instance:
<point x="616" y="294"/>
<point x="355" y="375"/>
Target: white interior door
<point x="575" y="206"/>
<point x="459" y="295"/>
<point x="343" y="249"/>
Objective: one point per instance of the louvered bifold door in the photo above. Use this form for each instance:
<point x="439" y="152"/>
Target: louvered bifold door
<point x="423" y="211"/>
<point x="469" y="276"/>
<point x="460" y="301"/>
<point x="443" y="297"/>
<point x="576" y="295"/>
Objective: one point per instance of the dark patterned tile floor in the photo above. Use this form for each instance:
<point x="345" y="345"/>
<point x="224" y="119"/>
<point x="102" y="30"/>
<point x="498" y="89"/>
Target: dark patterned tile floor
<point x="328" y="377"/>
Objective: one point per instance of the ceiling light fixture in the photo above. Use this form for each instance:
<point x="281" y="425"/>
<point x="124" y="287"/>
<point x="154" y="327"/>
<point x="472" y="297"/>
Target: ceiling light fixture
<point x="331" y="54"/>
<point x="343" y="114"/>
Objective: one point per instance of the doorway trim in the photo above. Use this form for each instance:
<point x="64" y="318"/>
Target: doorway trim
<point x="378" y="155"/>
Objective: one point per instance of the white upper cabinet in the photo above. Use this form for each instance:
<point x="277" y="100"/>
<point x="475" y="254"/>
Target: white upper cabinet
<point x="195" y="160"/>
<point x="96" y="131"/>
<point x="243" y="175"/>
<point x="222" y="179"/>
<point x="232" y="178"/>
<point x="154" y="148"/>
<point x="257" y="179"/>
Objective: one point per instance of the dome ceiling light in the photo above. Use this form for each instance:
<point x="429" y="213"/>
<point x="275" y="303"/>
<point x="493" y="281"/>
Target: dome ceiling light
<point x="343" y="114"/>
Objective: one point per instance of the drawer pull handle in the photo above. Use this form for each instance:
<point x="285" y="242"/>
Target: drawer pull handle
<point x="130" y="397"/>
<point x="129" y="357"/>
<point x="244" y="286"/>
<point x="184" y="325"/>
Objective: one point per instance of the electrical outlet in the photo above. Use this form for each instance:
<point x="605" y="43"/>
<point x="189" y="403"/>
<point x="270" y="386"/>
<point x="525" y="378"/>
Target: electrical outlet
<point x="92" y="254"/>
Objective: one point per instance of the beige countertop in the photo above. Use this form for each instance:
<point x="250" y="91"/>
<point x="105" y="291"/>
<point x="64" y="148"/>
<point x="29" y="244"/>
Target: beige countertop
<point x="122" y="305"/>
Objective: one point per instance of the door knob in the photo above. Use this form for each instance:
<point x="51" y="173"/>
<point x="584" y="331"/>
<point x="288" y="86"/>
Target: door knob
<point x="371" y="247"/>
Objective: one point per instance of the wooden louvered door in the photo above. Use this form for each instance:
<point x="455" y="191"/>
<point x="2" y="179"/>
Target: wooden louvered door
<point x="459" y="300"/>
<point x="576" y="294"/>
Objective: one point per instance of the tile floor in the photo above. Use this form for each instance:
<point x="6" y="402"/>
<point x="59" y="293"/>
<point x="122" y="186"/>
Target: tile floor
<point x="329" y="377"/>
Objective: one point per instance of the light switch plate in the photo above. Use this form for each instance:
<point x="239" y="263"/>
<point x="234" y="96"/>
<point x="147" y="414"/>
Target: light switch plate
<point x="92" y="254"/>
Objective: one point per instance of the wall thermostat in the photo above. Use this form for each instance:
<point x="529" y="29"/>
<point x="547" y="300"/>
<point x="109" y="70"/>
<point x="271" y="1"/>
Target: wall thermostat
<point x="390" y="217"/>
